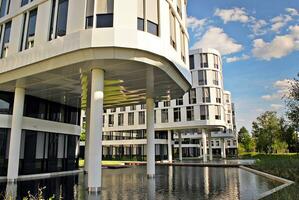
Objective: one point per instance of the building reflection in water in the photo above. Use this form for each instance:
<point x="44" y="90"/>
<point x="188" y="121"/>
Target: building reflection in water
<point x="132" y="184"/>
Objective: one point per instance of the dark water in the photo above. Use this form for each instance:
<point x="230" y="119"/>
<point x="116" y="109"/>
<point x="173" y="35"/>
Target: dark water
<point x="170" y="183"/>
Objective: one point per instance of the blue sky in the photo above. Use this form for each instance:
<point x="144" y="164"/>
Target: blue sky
<point x="259" y="42"/>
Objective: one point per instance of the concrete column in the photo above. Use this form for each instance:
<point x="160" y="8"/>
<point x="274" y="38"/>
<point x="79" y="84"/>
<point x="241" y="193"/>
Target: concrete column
<point x="15" y="135"/>
<point x="210" y="147"/>
<point x="95" y="131"/>
<point x="150" y="129"/>
<point x="169" y="144"/>
<point x="180" y="147"/>
<point x="223" y="148"/>
<point x="204" y="145"/>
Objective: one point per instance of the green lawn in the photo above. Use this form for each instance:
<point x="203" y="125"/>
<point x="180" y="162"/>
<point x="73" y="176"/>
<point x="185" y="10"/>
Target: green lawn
<point x="282" y="165"/>
<point x="105" y="162"/>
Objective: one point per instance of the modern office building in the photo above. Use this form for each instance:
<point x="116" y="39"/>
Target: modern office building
<point x="179" y="123"/>
<point x="60" y="56"/>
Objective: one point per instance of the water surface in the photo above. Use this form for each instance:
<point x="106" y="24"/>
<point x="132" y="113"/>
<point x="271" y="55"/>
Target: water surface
<point x="170" y="183"/>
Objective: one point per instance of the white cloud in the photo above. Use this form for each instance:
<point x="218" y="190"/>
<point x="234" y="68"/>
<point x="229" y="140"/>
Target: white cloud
<point x="195" y="23"/>
<point x="279" y="22"/>
<point x="258" y="27"/>
<point x="292" y="11"/>
<point x="216" y="38"/>
<point x="279" y="47"/>
<point x="234" y="14"/>
<point x="276" y="107"/>
<point x="281" y="90"/>
<point x="236" y="59"/>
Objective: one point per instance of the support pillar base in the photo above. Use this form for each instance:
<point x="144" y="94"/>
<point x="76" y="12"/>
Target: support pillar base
<point x="149" y="176"/>
<point x="94" y="190"/>
<point x="12" y="181"/>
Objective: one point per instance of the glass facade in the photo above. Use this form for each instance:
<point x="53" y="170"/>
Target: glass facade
<point x="41" y="152"/>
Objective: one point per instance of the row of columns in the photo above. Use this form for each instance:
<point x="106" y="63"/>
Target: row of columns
<point x="204" y="146"/>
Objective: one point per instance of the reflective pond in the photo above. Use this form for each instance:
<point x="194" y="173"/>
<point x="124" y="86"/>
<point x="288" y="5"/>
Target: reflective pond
<point x="170" y="183"/>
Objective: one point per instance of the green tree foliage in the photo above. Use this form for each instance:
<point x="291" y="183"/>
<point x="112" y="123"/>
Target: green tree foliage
<point x="268" y="133"/>
<point x="292" y="102"/>
<point x="246" y="142"/>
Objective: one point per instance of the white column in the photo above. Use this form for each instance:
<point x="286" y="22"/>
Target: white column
<point x="223" y="148"/>
<point x="169" y="146"/>
<point x="150" y="129"/>
<point x="95" y="131"/>
<point x="180" y="147"/>
<point x="15" y="135"/>
<point x="210" y="147"/>
<point x="204" y="145"/>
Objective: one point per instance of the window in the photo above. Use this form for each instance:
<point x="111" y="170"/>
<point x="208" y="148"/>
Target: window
<point x="217" y="143"/>
<point x="24" y="2"/>
<point x="217" y="112"/>
<point x="141" y="117"/>
<point x="228" y="143"/>
<point x="204" y="60"/>
<point x="140" y="15"/>
<point x="132" y="107"/>
<point x="112" y="110"/>
<point x="218" y="95"/>
<point x="192" y="96"/>
<point x="206" y="96"/>
<point x="190" y="113"/>
<point x="104" y="13"/>
<point x="212" y="143"/>
<point x="4" y="7"/>
<point x="179" y="7"/>
<point x="5" y="40"/>
<point x="204" y="112"/>
<point x="28" y="33"/>
<point x="156" y="104"/>
<point x="172" y="30"/>
<point x="131" y="118"/>
<point x="215" y="78"/>
<point x="202" y="77"/>
<point x="122" y="109"/>
<point x="216" y="62"/>
<point x="166" y="103"/>
<point x="89" y="14"/>
<point x="6" y="103"/>
<point x="155" y="116"/>
<point x="227" y="98"/>
<point x="59" y="21"/>
<point x="143" y="106"/>
<point x="111" y="120"/>
<point x="120" y="119"/>
<point x="177" y="114"/>
<point x="228" y="118"/>
<point x="152" y="16"/>
<point x="191" y="62"/>
<point x="179" y="102"/>
<point x="183" y="50"/>
<point x="164" y="115"/>
<point x="148" y="16"/>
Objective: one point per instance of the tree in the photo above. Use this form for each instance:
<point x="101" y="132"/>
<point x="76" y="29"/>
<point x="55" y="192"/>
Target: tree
<point x="292" y="102"/>
<point x="246" y="142"/>
<point x="289" y="136"/>
<point x="268" y="133"/>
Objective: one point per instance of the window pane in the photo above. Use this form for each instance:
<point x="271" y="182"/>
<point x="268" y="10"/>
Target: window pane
<point x="191" y="61"/>
<point x="152" y="28"/>
<point x="152" y="11"/>
<point x="3" y="7"/>
<point x="62" y="17"/>
<point x="140" y="24"/>
<point x="104" y="20"/>
<point x="24" y="2"/>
